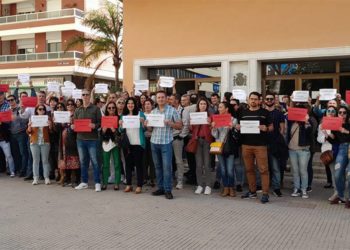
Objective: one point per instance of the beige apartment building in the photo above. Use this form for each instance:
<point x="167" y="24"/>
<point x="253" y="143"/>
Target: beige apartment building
<point x="34" y="35"/>
<point x="277" y="45"/>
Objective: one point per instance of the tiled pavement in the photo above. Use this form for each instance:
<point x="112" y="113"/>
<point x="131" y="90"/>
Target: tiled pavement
<point x="53" y="217"/>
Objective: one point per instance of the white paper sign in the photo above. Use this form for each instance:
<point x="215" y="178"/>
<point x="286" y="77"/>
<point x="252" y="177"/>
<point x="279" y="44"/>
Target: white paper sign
<point x="141" y="84"/>
<point x="314" y="94"/>
<point x="39" y="121"/>
<point x="61" y="116"/>
<point x="155" y="120"/>
<point x="328" y="94"/>
<point x="77" y="93"/>
<point x="53" y="87"/>
<point x="197" y="118"/>
<point x="101" y="88"/>
<point x="239" y="94"/>
<point x="69" y="84"/>
<point x="250" y="127"/>
<point x="24" y="78"/>
<point x="166" y="82"/>
<point x="67" y="91"/>
<point x="131" y="121"/>
<point x="300" y="96"/>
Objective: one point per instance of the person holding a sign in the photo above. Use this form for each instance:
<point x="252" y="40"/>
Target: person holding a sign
<point x="134" y="153"/>
<point x="319" y="111"/>
<point x="224" y="135"/>
<point x="202" y="133"/>
<point x="299" y="135"/>
<point x="161" y="144"/>
<point x="322" y="136"/>
<point x="87" y="142"/>
<point x="5" y="135"/>
<point x="40" y="145"/>
<point x="341" y="137"/>
<point x="109" y="146"/>
<point x="254" y="145"/>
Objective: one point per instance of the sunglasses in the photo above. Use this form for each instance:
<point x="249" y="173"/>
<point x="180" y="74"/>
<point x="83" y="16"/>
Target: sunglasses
<point x="59" y="107"/>
<point x="121" y="102"/>
<point x="269" y="99"/>
<point x="342" y="112"/>
<point x="70" y="104"/>
<point x="85" y="94"/>
<point x="41" y="109"/>
<point x="111" y="108"/>
<point x="11" y="100"/>
<point x="331" y="111"/>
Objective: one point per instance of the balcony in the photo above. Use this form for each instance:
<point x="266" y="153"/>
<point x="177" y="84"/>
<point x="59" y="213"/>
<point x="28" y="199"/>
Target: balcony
<point x="42" y="15"/>
<point x="73" y="55"/>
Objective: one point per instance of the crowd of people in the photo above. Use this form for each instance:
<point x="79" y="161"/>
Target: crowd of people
<point x="156" y="155"/>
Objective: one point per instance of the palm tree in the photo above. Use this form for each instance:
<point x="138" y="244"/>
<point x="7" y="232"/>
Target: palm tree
<point x="107" y="23"/>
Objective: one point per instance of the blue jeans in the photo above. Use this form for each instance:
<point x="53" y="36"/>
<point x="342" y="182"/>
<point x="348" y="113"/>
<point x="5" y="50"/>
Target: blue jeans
<point x="239" y="170"/>
<point x="227" y="170"/>
<point x="299" y="160"/>
<point x="162" y="155"/>
<point x="341" y="163"/>
<point x="7" y="152"/>
<point x="21" y="139"/>
<point x="87" y="150"/>
<point x="275" y="171"/>
<point x="40" y="150"/>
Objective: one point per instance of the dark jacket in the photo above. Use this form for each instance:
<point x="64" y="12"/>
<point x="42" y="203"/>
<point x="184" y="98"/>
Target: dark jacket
<point x="305" y="133"/>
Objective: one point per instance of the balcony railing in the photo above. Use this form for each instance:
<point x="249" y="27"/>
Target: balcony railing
<point x="41" y="56"/>
<point x="42" y="15"/>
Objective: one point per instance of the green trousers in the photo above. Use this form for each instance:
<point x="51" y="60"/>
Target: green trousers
<point x="106" y="163"/>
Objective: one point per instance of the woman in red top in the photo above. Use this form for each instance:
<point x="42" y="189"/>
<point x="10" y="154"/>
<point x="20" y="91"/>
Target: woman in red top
<point x="204" y="138"/>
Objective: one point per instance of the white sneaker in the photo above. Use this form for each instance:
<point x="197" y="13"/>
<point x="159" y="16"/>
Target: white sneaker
<point x="199" y="190"/>
<point x="334" y="196"/>
<point x="207" y="190"/>
<point x="304" y="194"/>
<point x="179" y="185"/>
<point x="98" y="187"/>
<point x="35" y="181"/>
<point x="12" y="175"/>
<point x="47" y="181"/>
<point x="82" y="186"/>
<point x="295" y="193"/>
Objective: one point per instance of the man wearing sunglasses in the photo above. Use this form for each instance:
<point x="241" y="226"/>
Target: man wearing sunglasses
<point x="19" y="139"/>
<point x="275" y="141"/>
<point x="5" y="135"/>
<point x="87" y="142"/>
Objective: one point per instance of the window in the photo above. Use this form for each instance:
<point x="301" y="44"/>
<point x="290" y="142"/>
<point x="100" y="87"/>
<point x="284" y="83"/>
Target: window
<point x="297" y="68"/>
<point x="25" y="51"/>
<point x="54" y="47"/>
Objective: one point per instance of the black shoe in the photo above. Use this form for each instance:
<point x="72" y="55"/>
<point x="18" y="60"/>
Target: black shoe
<point x="239" y="188"/>
<point x="169" y="195"/>
<point x="264" y="198"/>
<point x="104" y="187"/>
<point x="216" y="185"/>
<point x="309" y="189"/>
<point x="28" y="178"/>
<point x="249" y="195"/>
<point x="158" y="192"/>
<point x="329" y="185"/>
<point x="277" y="193"/>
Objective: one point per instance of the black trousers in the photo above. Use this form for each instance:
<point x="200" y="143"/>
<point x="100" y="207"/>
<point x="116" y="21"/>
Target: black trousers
<point x="134" y="158"/>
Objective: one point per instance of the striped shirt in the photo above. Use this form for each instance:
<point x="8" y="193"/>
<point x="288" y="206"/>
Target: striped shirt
<point x="164" y="135"/>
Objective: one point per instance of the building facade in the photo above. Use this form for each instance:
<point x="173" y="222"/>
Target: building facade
<point x="34" y="35"/>
<point x="260" y="45"/>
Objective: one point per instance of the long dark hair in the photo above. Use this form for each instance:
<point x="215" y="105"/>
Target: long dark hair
<point x="347" y="113"/>
<point x="37" y="107"/>
<point x="109" y="103"/>
<point x="202" y="99"/>
<point x="230" y="108"/>
<point x="135" y="111"/>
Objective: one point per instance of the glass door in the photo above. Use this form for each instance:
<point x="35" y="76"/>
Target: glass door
<point x="314" y="85"/>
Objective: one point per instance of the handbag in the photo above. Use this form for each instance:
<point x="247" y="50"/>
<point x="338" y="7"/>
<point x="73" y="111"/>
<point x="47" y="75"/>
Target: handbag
<point x="327" y="157"/>
<point x="216" y="148"/>
<point x="192" y="145"/>
<point x="122" y="140"/>
<point x="108" y="146"/>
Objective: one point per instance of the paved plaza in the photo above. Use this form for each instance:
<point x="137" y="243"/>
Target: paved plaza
<point x="55" y="217"/>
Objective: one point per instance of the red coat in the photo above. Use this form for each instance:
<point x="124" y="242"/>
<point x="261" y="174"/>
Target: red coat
<point x="207" y="131"/>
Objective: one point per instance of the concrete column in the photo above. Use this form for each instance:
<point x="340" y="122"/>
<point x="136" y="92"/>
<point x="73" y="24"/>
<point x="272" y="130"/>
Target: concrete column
<point x="254" y="78"/>
<point x="225" y="78"/>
